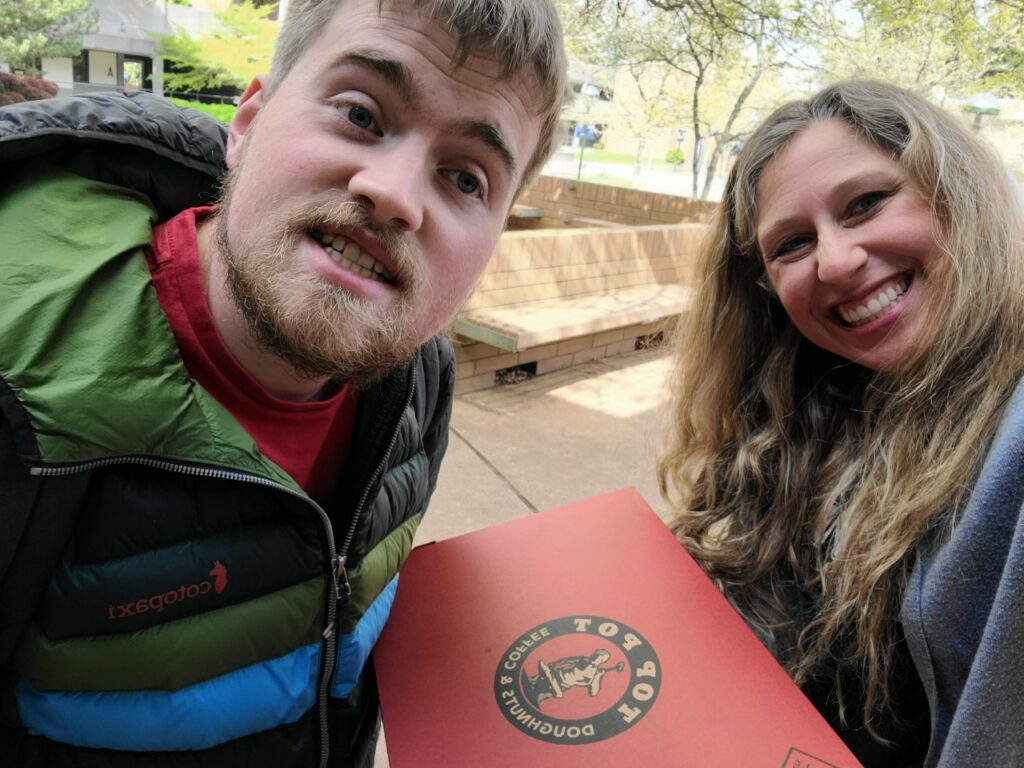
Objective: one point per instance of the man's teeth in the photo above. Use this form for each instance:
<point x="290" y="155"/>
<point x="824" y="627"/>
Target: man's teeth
<point x="353" y="258"/>
<point x="875" y="306"/>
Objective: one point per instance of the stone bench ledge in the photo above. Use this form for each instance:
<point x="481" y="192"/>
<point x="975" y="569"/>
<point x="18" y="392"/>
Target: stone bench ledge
<point x="522" y="326"/>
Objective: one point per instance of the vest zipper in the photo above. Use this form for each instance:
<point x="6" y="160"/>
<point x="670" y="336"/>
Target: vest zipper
<point x="330" y="636"/>
<point x="345" y="590"/>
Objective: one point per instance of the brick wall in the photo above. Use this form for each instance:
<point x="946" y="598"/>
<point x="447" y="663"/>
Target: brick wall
<point x="564" y="198"/>
<point x="532" y="265"/>
<point x="545" y="264"/>
<point x="646" y="238"/>
<point x="476" y="363"/>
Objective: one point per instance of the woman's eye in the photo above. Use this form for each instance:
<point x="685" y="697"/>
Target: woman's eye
<point x="867" y="203"/>
<point x="360" y="117"/>
<point x="789" y="246"/>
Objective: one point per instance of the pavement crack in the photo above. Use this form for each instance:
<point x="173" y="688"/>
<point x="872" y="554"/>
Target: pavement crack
<point x="494" y="469"/>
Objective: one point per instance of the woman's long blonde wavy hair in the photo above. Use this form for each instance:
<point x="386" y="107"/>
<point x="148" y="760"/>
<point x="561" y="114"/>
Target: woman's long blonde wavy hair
<point x="802" y="481"/>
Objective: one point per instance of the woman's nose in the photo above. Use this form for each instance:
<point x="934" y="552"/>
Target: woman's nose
<point x="840" y="256"/>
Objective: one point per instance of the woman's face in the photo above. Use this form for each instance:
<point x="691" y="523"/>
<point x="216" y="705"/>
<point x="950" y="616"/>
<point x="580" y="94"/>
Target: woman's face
<point x="848" y="243"/>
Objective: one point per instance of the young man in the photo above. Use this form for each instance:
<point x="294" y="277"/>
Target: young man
<point x="218" y="434"/>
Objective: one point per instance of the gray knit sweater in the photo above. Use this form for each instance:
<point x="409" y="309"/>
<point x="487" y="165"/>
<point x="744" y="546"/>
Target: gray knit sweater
<point x="963" y="615"/>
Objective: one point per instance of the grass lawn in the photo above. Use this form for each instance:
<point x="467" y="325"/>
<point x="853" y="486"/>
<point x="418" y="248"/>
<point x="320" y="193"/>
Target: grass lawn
<point x="223" y="112"/>
<point x="591" y="155"/>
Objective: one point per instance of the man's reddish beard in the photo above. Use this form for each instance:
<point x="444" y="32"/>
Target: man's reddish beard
<point x="319" y="328"/>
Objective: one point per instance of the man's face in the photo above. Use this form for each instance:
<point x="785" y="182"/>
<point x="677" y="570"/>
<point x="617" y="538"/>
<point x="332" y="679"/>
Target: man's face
<point x="366" y="199"/>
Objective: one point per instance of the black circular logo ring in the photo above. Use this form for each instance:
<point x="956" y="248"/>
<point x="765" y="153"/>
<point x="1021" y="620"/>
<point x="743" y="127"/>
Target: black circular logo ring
<point x="577" y="680"/>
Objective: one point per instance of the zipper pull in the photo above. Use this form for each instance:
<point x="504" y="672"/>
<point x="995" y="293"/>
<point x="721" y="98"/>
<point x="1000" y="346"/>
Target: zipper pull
<point x="343" y="590"/>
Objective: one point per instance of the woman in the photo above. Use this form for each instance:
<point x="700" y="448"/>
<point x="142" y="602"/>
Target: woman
<point x="846" y="451"/>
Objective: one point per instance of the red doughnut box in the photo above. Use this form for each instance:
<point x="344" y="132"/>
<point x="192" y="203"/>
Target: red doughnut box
<point x="583" y="636"/>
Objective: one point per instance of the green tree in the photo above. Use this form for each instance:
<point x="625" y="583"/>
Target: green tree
<point x="740" y="58"/>
<point x="33" y="29"/>
<point x="722" y="48"/>
<point x="239" y="46"/>
<point x="935" y="47"/>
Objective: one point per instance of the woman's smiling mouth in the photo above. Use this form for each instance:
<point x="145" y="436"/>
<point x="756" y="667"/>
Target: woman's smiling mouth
<point x="859" y="313"/>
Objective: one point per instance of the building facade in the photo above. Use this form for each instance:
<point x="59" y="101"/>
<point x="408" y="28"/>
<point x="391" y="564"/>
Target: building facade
<point x="122" y="53"/>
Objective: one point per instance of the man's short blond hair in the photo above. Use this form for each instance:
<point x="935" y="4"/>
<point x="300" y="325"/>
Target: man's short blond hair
<point x="517" y="34"/>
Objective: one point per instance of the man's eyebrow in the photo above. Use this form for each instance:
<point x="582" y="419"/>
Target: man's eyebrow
<point x="394" y="72"/>
<point x="400" y="78"/>
<point x="491" y="136"/>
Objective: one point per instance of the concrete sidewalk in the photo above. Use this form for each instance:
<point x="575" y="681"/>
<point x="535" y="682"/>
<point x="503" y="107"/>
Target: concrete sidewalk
<point x="544" y="442"/>
<point x="518" y="449"/>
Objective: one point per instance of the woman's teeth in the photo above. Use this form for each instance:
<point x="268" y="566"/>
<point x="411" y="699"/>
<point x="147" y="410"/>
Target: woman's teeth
<point x="353" y="258"/>
<point x="869" y="310"/>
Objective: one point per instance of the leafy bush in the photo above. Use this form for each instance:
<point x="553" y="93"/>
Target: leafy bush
<point x="16" y="88"/>
<point x="675" y="156"/>
<point x="236" y="47"/>
<point x="223" y="112"/>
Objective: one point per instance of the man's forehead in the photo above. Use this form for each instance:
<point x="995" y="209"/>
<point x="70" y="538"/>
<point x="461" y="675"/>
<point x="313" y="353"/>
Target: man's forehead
<point x="405" y="46"/>
<point x="403" y="17"/>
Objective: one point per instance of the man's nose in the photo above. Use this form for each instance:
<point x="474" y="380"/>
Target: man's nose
<point x="390" y="185"/>
<point x="840" y="256"/>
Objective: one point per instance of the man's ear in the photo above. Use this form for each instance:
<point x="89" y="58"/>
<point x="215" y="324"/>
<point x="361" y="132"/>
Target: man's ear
<point x="250" y="104"/>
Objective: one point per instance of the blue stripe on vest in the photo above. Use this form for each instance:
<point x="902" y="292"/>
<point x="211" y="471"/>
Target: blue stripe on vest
<point x="236" y="704"/>
<point x="354" y="648"/>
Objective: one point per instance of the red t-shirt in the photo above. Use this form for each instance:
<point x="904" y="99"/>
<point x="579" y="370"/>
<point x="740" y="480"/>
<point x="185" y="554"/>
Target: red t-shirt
<point x="310" y="441"/>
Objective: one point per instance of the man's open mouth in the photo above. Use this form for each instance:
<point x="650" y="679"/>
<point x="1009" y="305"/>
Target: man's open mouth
<point x="352" y="257"/>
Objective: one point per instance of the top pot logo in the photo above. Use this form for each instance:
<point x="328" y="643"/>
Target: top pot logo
<point x="577" y="680"/>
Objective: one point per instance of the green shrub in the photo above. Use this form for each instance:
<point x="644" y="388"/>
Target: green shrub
<point x="675" y="156"/>
<point x="18" y="88"/>
<point x="223" y="112"/>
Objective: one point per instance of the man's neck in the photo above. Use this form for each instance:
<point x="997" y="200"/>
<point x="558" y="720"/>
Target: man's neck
<point x="275" y="375"/>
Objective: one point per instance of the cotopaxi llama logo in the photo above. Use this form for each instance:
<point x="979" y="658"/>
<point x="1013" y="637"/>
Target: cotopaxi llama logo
<point x="577" y="680"/>
<point x="218" y="583"/>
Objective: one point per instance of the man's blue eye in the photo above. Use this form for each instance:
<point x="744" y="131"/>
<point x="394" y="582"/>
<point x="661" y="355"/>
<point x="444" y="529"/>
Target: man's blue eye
<point x="467" y="183"/>
<point x="360" y="117"/>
